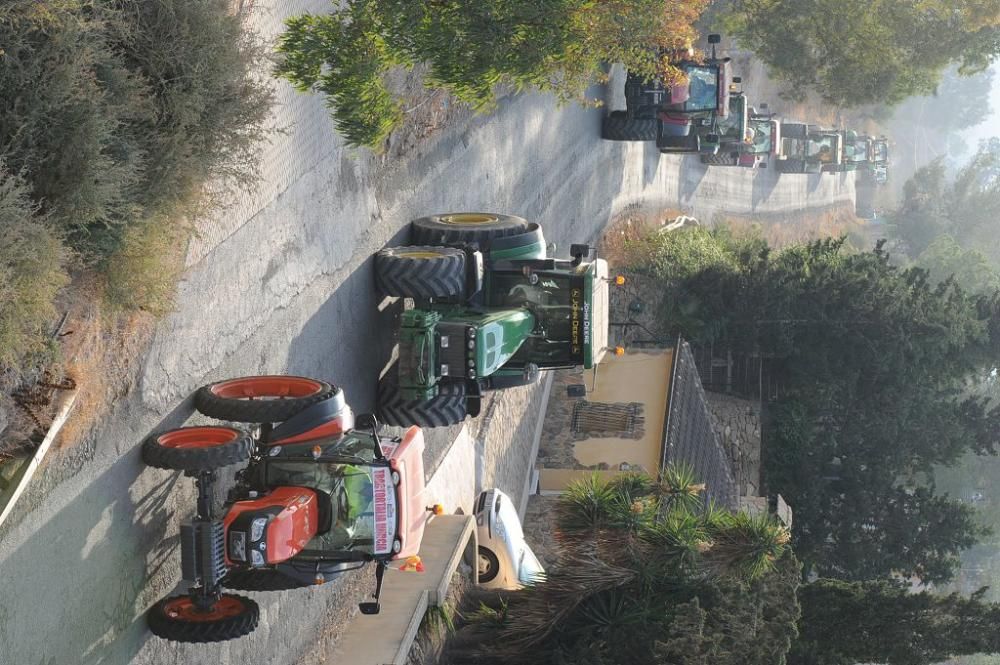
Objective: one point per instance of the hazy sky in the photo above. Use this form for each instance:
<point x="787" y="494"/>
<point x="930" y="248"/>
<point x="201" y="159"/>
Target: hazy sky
<point x="990" y="126"/>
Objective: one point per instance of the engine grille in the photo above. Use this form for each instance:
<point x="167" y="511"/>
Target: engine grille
<point x="456" y="354"/>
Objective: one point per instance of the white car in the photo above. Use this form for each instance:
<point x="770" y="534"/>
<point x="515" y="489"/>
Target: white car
<point x="505" y="560"/>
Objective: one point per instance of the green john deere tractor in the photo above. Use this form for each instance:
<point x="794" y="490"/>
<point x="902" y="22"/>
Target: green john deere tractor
<point x="492" y="310"/>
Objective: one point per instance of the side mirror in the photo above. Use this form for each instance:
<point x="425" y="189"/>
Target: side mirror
<point x="737" y="79"/>
<point x="579" y="252"/>
<point x="369" y="608"/>
<point x="711" y="138"/>
<point x="762" y="165"/>
<point x="763" y="107"/>
<point x="374" y="607"/>
<point x="575" y="390"/>
<point x="714" y="39"/>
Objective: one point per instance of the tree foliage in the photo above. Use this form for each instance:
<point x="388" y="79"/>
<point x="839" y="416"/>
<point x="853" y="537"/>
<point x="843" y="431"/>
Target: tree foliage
<point x="855" y="52"/>
<point x="883" y="622"/>
<point x="469" y="47"/>
<point x="873" y="362"/>
<point x="643" y="577"/>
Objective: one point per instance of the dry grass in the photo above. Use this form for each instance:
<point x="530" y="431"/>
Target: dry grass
<point x="800" y="227"/>
<point x="628" y="228"/>
<point x="102" y="354"/>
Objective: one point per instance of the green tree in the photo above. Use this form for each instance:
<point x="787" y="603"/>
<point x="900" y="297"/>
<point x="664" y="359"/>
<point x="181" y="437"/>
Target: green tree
<point x="883" y="622"/>
<point x="855" y="52"/>
<point x="471" y="46"/>
<point x="646" y="574"/>
<point x="873" y="362"/>
<point x="971" y="269"/>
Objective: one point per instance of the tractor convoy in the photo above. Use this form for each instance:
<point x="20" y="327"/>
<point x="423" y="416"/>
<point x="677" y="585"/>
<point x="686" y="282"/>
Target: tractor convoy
<point x="485" y="305"/>
<point x="709" y="115"/>
<point x="319" y="493"/>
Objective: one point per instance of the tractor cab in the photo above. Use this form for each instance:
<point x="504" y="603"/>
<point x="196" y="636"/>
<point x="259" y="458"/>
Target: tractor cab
<point x="879" y="152"/>
<point x="703" y="103"/>
<point x="313" y="506"/>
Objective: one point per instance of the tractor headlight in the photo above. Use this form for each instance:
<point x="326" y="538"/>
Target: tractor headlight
<point x="256" y="558"/>
<point x="257" y="529"/>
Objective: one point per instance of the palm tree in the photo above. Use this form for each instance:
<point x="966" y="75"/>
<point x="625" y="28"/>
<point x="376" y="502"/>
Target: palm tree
<point x="632" y="551"/>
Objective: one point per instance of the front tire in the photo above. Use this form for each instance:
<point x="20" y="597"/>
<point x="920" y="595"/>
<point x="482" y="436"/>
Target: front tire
<point x="261" y="399"/>
<point x="420" y="272"/>
<point x="462" y="228"/>
<point x="489" y="565"/>
<point x="177" y="619"/>
<point x="197" y="448"/>
<point x="619" y="127"/>
<point x="448" y="407"/>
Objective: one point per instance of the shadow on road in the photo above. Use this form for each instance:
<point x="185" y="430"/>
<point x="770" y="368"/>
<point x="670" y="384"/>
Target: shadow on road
<point x="650" y="162"/>
<point x="764" y="182"/>
<point x="692" y="172"/>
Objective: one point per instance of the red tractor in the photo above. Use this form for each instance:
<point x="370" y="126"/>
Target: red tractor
<point x="321" y="495"/>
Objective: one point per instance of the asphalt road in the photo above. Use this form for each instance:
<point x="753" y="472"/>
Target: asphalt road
<point x="282" y="283"/>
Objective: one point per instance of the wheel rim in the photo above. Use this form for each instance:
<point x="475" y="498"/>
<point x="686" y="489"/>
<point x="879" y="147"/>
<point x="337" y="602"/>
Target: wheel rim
<point x="273" y="387"/>
<point x="197" y="437"/>
<point x="419" y="254"/>
<point x="468" y="218"/>
<point x="485" y="566"/>
<point x="184" y="609"/>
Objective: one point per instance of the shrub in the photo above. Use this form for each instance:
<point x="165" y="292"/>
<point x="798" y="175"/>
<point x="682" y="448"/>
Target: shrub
<point x="124" y="119"/>
<point x="558" y="46"/>
<point x="31" y="273"/>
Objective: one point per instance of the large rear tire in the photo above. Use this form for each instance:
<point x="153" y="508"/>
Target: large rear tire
<point x="261" y="399"/>
<point x="178" y="619"/>
<point x="465" y="228"/>
<point x="619" y="127"/>
<point x="260" y="580"/>
<point x="197" y="448"/>
<point x="420" y="272"/>
<point x="448" y="407"/>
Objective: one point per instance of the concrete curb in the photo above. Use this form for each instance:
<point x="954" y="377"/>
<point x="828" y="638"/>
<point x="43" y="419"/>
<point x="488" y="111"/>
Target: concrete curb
<point x="543" y="409"/>
<point x="19" y="482"/>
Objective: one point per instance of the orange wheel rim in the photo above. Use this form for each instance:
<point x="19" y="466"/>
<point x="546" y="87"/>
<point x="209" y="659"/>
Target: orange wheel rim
<point x="197" y="437"/>
<point x="184" y="609"/>
<point x="275" y="387"/>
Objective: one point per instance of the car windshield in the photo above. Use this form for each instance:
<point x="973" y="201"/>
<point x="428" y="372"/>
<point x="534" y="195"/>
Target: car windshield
<point x="703" y="88"/>
<point x="529" y="569"/>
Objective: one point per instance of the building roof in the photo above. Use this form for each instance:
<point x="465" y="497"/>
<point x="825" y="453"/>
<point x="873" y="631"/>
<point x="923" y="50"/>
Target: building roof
<point x="689" y="437"/>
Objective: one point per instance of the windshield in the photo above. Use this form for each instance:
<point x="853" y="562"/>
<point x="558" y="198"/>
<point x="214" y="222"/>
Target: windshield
<point x="823" y="148"/>
<point x="357" y="500"/>
<point x="704" y="88"/>
<point x="760" y="134"/>
<point x="733" y="127"/>
<point x="549" y="300"/>
<point x="881" y="151"/>
<point x="857" y="151"/>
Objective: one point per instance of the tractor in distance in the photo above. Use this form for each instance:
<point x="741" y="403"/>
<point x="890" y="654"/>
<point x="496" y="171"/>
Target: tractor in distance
<point x="854" y="152"/>
<point x="808" y="148"/>
<point x="492" y="310"/>
<point x="681" y="118"/>
<point x="320" y="495"/>
<point x="760" y="141"/>
<point x="878" y="160"/>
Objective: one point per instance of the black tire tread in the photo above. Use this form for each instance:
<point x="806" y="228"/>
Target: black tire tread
<point x="621" y="128"/>
<point x="720" y="159"/>
<point x="448" y="407"/>
<point x="196" y="459"/>
<point x="259" y="410"/>
<point x="203" y="631"/>
<point x="260" y="580"/>
<point x="407" y="277"/>
<point x="429" y="231"/>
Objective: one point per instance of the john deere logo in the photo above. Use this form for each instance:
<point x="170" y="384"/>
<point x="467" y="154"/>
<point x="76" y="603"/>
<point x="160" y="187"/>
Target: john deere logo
<point x="577" y="328"/>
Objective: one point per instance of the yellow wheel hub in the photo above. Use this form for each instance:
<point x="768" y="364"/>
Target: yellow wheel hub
<point x="468" y="218"/>
<point x="420" y="254"/>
